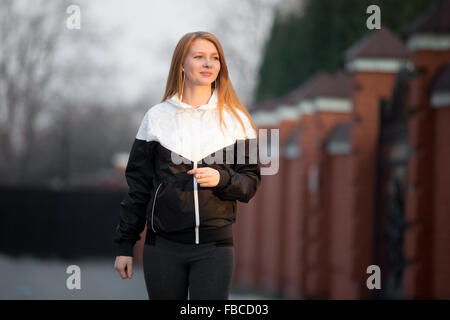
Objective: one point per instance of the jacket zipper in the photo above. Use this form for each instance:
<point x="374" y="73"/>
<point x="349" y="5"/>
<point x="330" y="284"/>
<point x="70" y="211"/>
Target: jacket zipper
<point x="197" y="216"/>
<point x="153" y="206"/>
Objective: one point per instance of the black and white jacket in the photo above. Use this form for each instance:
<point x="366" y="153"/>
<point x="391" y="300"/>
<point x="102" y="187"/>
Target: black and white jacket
<point x="172" y="139"/>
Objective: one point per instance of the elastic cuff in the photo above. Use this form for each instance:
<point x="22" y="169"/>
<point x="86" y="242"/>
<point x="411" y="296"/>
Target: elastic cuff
<point x="224" y="179"/>
<point x="124" y="249"/>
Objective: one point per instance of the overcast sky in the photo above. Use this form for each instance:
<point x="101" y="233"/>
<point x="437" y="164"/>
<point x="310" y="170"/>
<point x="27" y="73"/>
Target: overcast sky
<point x="142" y="35"/>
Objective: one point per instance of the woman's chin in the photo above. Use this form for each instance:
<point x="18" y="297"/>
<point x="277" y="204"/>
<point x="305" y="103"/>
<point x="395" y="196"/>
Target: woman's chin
<point x="203" y="82"/>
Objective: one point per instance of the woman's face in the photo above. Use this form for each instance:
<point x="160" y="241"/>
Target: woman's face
<point x="201" y="64"/>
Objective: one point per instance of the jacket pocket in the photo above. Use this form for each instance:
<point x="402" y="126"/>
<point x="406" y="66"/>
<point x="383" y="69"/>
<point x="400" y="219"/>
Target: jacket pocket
<point x="153" y="205"/>
<point x="173" y="208"/>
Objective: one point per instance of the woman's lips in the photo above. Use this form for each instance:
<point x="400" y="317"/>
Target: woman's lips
<point x="206" y="74"/>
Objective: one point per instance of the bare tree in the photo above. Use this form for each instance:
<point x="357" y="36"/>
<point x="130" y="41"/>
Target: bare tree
<point x="243" y="28"/>
<point x="29" y="40"/>
<point x="45" y="71"/>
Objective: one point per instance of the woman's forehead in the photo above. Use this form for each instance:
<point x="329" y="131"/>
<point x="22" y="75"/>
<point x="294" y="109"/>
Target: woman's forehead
<point x="203" y="46"/>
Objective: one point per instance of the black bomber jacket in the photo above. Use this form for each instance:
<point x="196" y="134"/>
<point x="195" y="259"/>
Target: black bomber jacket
<point x="172" y="139"/>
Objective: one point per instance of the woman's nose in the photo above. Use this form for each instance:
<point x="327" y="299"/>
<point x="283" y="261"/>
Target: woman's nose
<point x="207" y="63"/>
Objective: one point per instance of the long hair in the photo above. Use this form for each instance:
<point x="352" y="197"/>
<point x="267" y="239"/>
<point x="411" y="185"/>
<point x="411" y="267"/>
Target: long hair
<point x="226" y="96"/>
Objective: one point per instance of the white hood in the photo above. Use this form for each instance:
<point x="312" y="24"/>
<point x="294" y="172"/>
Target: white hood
<point x="191" y="132"/>
<point x="197" y="128"/>
<point x="181" y="106"/>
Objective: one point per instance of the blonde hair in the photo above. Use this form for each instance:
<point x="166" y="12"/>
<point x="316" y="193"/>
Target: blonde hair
<point x="226" y="96"/>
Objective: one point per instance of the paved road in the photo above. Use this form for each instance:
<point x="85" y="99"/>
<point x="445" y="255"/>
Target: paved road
<point x="33" y="278"/>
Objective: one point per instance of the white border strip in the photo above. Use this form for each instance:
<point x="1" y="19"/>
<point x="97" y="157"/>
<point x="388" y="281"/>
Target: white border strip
<point x="306" y="107"/>
<point x="285" y="112"/>
<point x="378" y="65"/>
<point x="333" y="104"/>
<point x="265" y="118"/>
<point x="440" y="99"/>
<point x="429" y="41"/>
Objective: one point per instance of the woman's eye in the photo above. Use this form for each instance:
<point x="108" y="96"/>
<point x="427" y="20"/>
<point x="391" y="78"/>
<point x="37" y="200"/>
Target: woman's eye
<point x="217" y="58"/>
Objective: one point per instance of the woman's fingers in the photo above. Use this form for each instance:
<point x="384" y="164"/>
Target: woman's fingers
<point x="202" y="176"/>
<point x="202" y="170"/>
<point x="124" y="266"/>
<point x="121" y="269"/>
<point x="130" y="269"/>
<point x="206" y="184"/>
<point x="206" y="176"/>
<point x="204" y="179"/>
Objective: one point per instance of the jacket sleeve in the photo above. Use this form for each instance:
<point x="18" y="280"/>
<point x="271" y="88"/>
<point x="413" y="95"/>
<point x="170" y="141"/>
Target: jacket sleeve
<point x="139" y="175"/>
<point x="240" y="180"/>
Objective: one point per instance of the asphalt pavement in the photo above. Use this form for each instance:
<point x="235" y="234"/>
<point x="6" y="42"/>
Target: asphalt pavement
<point x="27" y="277"/>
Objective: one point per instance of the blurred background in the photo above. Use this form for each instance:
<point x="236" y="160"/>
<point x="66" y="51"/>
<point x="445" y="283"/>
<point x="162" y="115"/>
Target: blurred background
<point x="364" y="156"/>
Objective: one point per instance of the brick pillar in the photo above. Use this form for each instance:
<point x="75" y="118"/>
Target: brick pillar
<point x="372" y="87"/>
<point x="310" y="271"/>
<point x="420" y="245"/>
<point x="324" y="124"/>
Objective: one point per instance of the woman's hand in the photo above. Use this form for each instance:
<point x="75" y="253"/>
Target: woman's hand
<point x="124" y="264"/>
<point x="206" y="176"/>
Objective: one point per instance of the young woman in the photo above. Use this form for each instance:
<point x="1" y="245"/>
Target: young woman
<point x="194" y="155"/>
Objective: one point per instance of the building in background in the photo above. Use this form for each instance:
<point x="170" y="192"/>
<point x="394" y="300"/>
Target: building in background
<point x="364" y="175"/>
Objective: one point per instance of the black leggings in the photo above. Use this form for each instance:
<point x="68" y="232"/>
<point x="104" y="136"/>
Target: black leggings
<point x="171" y="269"/>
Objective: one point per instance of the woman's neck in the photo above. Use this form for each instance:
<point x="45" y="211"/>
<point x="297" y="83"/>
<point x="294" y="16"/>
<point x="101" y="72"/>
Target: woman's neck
<point x="196" y="96"/>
